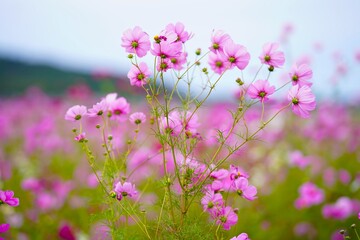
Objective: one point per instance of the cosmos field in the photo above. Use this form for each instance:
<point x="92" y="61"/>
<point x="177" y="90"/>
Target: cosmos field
<point x="274" y="162"/>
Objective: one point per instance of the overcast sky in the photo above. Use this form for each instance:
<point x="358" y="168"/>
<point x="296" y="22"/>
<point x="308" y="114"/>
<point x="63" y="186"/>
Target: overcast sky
<point x="85" y="34"/>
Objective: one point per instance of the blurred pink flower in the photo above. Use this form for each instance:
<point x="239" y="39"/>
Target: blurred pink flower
<point x="341" y="209"/>
<point x="167" y="50"/>
<point x="4" y="227"/>
<point x="137" y="118"/>
<point x="125" y="189"/>
<point x="310" y="195"/>
<point x="226" y="217"/>
<point x="301" y="74"/>
<point x="242" y="187"/>
<point x="217" y="62"/>
<point x="270" y="56"/>
<point x="260" y="89"/>
<point x="66" y="233"/>
<point x="178" y="62"/>
<point x="75" y="113"/>
<point x="298" y="159"/>
<point x="7" y="197"/>
<point x="81" y="137"/>
<point x="179" y="30"/>
<point x="211" y="202"/>
<point x="98" y="109"/>
<point x="139" y="74"/>
<point x="119" y="108"/>
<point x="302" y="99"/>
<point x="136" y="41"/>
<point x="242" y="236"/>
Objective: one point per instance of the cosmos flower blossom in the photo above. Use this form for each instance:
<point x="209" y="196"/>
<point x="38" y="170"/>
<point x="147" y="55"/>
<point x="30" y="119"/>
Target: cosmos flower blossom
<point x="75" y="113"/>
<point x="7" y="197"/>
<point x="310" y="195"/>
<point x="137" y="118"/>
<point x="301" y="74"/>
<point x="260" y="89"/>
<point x="242" y="236"/>
<point x="179" y="29"/>
<point x="217" y="63"/>
<point x="81" y="137"/>
<point x="226" y="217"/>
<point x="139" y="74"/>
<point x="270" y="56"/>
<point x="119" y="108"/>
<point x="125" y="189"/>
<point x="302" y="99"/>
<point x="211" y="202"/>
<point x="136" y="41"/>
<point x="242" y="187"/>
<point x="98" y="109"/>
<point x="4" y="227"/>
<point x="235" y="55"/>
<point x="218" y="40"/>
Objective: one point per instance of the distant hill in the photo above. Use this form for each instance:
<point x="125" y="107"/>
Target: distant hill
<point x="16" y="77"/>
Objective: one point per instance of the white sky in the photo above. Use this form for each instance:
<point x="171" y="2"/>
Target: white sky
<point x="86" y="34"/>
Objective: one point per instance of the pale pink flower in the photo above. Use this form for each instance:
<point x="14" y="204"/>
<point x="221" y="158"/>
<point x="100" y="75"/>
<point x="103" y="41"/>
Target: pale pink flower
<point x="178" y="62"/>
<point x="218" y="40"/>
<point x="179" y="29"/>
<point x="226" y="217"/>
<point x="81" y="137"/>
<point x="242" y="187"/>
<point x="310" y="195"/>
<point x="260" y="89"/>
<point x="172" y="124"/>
<point x="302" y="99"/>
<point x="298" y="159"/>
<point x="242" y="236"/>
<point x="301" y="74"/>
<point x="136" y="41"/>
<point x="75" y="113"/>
<point x="163" y="65"/>
<point x="341" y="209"/>
<point x="98" y="109"/>
<point x="237" y="172"/>
<point x="235" y="55"/>
<point x="139" y="75"/>
<point x="217" y="62"/>
<point x="137" y="118"/>
<point x="270" y="56"/>
<point x="119" y="108"/>
<point x="211" y="202"/>
<point x="7" y="197"/>
<point x="167" y="50"/>
<point x="125" y="189"/>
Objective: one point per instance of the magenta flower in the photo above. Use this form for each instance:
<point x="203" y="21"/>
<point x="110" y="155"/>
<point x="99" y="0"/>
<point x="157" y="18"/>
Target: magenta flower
<point x="65" y="232"/>
<point x="218" y="40"/>
<point x="270" y="56"/>
<point x="242" y="236"/>
<point x="137" y="118"/>
<point x="237" y="172"/>
<point x="299" y="160"/>
<point x="125" y="190"/>
<point x="226" y="217"/>
<point x="167" y="50"/>
<point x="341" y="209"/>
<point x="4" y="227"/>
<point x="179" y="30"/>
<point x="260" y="89"/>
<point x="8" y="198"/>
<point x="300" y="74"/>
<point x="75" y="113"/>
<point x="303" y="100"/>
<point x="212" y="202"/>
<point x="235" y="55"/>
<point x="178" y="62"/>
<point x="310" y="195"/>
<point x="138" y="75"/>
<point x="81" y="137"/>
<point x="98" y="109"/>
<point x="136" y="41"/>
<point x="119" y="108"/>
<point x="242" y="187"/>
<point x="217" y="62"/>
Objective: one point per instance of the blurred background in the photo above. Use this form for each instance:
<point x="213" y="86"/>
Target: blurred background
<point x="57" y="44"/>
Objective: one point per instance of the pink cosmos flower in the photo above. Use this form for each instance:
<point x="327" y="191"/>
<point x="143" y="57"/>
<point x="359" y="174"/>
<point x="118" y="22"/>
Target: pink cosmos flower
<point x="136" y="41"/>
<point x="119" y="108"/>
<point x="81" y="137"/>
<point x="218" y="40"/>
<point x="190" y="124"/>
<point x="301" y="74"/>
<point x="178" y="62"/>
<point x="235" y="55"/>
<point x="303" y="100"/>
<point x="75" y="113"/>
<point x="8" y="198"/>
<point x="310" y="195"/>
<point x="138" y="75"/>
<point x="172" y="125"/>
<point x="125" y="190"/>
<point x="137" y="118"/>
<point x="242" y="187"/>
<point x="98" y="109"/>
<point x="4" y="227"/>
<point x="167" y="50"/>
<point x="163" y="65"/>
<point x="341" y="209"/>
<point x="217" y="62"/>
<point x="219" y="174"/>
<point x="179" y="30"/>
<point x="211" y="202"/>
<point x="260" y="89"/>
<point x="237" y="172"/>
<point x="242" y="236"/>
<point x="66" y="233"/>
<point x="271" y="57"/>
<point x="226" y="217"/>
<point x="299" y="160"/>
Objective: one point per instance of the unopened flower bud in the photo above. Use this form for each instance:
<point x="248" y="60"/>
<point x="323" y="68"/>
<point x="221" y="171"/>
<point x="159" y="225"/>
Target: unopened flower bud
<point x="198" y="51"/>
<point x="113" y="194"/>
<point x="342" y="231"/>
<point x="130" y="56"/>
<point x="74" y="130"/>
<point x="353" y="225"/>
<point x="129" y="142"/>
<point x="97" y="126"/>
<point x="110" y="137"/>
<point x="271" y="68"/>
<point x="239" y="81"/>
